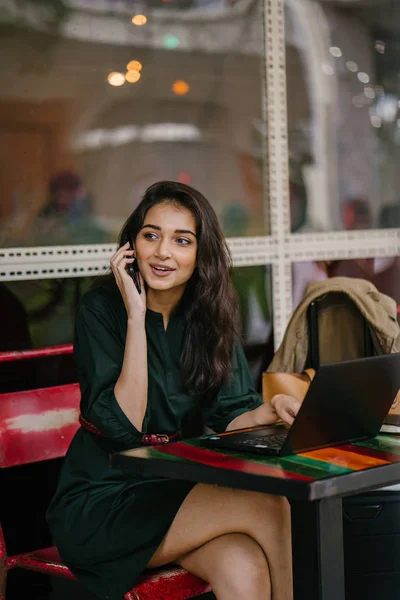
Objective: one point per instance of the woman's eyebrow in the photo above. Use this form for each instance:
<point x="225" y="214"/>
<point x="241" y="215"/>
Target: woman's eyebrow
<point x="185" y="231"/>
<point x="176" y="230"/>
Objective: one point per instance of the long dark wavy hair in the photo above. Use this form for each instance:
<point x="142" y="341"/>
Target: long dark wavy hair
<point x="209" y="300"/>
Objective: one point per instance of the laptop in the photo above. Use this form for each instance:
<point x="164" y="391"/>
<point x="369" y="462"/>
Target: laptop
<point x="346" y="402"/>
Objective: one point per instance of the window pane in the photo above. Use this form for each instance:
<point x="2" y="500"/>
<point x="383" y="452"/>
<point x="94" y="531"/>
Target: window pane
<point x="384" y="273"/>
<point x="343" y="61"/>
<point x="39" y="313"/>
<point x="94" y="108"/>
<point x="254" y="288"/>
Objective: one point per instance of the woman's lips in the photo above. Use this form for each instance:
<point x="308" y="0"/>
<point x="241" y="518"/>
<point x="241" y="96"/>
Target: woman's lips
<point x="161" y="271"/>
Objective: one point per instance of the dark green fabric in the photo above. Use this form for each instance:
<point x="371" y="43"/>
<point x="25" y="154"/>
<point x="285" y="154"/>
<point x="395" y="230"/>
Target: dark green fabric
<point x="106" y="524"/>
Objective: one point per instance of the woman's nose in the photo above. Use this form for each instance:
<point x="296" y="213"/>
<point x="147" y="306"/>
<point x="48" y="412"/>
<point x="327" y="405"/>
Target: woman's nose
<point x="163" y="250"/>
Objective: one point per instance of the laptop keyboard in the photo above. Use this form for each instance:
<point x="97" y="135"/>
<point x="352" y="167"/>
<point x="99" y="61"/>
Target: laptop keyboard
<point x="266" y="441"/>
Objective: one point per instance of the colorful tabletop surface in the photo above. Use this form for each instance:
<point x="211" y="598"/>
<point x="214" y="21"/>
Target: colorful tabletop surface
<point x="313" y="475"/>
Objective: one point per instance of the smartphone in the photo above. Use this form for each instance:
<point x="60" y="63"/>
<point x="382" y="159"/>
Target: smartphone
<point x="133" y="268"/>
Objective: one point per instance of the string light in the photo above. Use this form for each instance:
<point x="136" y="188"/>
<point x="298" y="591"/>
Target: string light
<point x="380" y="46"/>
<point x="180" y="87"/>
<point x="116" y="79"/>
<point x="363" y="77"/>
<point x="139" y="20"/>
<point x="328" y="69"/>
<point x="134" y="65"/>
<point x="335" y="51"/>
<point x="352" y="66"/>
<point x="132" y="76"/>
<point x="376" y="121"/>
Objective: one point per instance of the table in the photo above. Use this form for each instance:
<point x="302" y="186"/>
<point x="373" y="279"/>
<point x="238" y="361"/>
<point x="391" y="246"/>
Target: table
<point x="314" y="482"/>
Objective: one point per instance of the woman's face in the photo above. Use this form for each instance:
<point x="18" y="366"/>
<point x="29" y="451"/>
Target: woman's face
<point x="166" y="247"/>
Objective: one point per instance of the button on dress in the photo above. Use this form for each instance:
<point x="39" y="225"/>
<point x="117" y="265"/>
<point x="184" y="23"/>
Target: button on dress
<point x="108" y="524"/>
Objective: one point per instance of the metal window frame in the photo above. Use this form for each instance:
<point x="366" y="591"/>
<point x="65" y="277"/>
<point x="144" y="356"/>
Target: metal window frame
<point x="279" y="249"/>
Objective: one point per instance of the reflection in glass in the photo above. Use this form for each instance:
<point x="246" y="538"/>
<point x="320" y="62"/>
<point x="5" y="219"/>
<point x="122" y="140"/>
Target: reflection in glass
<point x="343" y="111"/>
<point x="95" y="107"/>
<point x="253" y="286"/>
<point x="383" y="273"/>
<point x="40" y="313"/>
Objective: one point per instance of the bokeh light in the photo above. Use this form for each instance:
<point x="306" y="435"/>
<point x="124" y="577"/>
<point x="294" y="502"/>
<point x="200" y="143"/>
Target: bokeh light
<point x="134" y="65"/>
<point x="180" y="87"/>
<point x="328" y="69"/>
<point x="364" y="77"/>
<point x="386" y="108"/>
<point x="369" y="92"/>
<point x="184" y="177"/>
<point x="335" y="51"/>
<point x="376" y="121"/>
<point x="139" y="20"/>
<point x="132" y="76"/>
<point x="171" y="41"/>
<point x="352" y="66"/>
<point x="116" y="79"/>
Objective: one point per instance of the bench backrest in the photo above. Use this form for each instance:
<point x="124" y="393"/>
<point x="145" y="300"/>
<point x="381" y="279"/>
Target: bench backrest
<point x="38" y="424"/>
<point x="13" y="355"/>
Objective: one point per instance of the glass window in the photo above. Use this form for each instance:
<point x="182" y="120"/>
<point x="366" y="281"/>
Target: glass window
<point x="99" y="100"/>
<point x="384" y="273"/>
<point x="39" y="313"/>
<point x="344" y="114"/>
<point x="254" y="289"/>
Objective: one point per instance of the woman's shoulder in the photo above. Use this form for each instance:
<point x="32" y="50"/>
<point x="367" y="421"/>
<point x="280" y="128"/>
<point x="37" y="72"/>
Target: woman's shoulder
<point x="101" y="297"/>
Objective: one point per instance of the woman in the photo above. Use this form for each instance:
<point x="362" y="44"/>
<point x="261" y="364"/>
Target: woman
<point x="146" y="361"/>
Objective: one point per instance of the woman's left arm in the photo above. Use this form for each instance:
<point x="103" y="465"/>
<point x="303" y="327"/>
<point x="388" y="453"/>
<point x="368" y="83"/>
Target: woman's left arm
<point x="237" y="405"/>
<point x="281" y="406"/>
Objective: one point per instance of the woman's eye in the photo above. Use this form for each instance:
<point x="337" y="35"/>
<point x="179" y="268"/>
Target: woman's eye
<point x="183" y="241"/>
<point x="150" y="236"/>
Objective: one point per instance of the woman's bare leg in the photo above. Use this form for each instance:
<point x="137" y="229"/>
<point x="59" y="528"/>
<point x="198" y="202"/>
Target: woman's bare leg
<point x="211" y="511"/>
<point x="235" y="566"/>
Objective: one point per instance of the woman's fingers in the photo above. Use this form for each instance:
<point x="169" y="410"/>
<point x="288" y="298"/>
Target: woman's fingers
<point x="120" y="255"/>
<point x="120" y="251"/>
<point x="121" y="258"/>
<point x="133" y="301"/>
<point x="286" y="407"/>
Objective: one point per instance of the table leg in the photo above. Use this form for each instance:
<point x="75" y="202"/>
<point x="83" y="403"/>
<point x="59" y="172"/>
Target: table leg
<point x="317" y="537"/>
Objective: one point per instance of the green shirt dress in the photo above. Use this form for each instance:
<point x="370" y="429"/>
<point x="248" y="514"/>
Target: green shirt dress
<point x="108" y="524"/>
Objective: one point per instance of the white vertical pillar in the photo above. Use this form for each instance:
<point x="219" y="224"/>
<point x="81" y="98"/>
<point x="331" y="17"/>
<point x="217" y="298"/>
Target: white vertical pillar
<point x="277" y="172"/>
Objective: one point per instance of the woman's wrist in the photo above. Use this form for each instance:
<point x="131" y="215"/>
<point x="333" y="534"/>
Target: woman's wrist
<point x="137" y="319"/>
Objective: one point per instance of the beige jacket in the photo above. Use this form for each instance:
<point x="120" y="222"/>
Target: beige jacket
<point x="378" y="309"/>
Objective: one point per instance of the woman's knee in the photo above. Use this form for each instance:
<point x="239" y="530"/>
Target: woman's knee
<point x="234" y="564"/>
<point x="242" y="567"/>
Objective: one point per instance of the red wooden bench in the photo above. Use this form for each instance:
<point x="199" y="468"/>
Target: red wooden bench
<point x="38" y="425"/>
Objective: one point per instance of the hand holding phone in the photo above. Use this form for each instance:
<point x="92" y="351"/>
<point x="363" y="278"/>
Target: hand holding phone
<point x="133" y="268"/>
